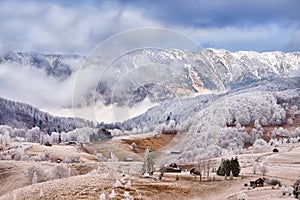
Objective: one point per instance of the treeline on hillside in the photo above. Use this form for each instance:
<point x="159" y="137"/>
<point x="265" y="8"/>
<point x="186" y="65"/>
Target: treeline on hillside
<point x="35" y="134"/>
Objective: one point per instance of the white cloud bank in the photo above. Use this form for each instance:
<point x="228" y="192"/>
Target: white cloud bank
<point x="49" y="27"/>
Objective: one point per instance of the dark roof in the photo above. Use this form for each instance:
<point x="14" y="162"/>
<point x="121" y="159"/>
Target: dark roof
<point x="256" y="179"/>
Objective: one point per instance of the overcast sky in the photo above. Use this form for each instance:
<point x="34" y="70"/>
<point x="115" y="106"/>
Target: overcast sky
<point x="77" y="27"/>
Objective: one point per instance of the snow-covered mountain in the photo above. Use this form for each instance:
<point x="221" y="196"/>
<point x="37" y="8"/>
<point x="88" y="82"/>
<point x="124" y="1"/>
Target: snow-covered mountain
<point x="161" y="74"/>
<point x="164" y="74"/>
<point x="55" y="65"/>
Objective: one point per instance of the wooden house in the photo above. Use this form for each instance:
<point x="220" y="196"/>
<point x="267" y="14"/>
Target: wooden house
<point x="257" y="182"/>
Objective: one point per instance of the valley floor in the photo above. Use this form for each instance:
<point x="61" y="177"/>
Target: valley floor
<point x="95" y="177"/>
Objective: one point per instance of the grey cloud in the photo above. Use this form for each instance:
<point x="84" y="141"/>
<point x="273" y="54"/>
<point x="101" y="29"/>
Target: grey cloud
<point x="48" y="27"/>
<point x="77" y="27"/>
<point x="218" y="13"/>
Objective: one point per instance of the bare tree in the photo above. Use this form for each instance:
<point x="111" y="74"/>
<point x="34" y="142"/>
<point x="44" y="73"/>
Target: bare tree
<point x="200" y="166"/>
<point x="208" y="168"/>
<point x="254" y="169"/>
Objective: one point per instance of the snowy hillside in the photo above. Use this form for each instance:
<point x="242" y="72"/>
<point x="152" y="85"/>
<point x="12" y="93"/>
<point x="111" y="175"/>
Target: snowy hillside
<point x="183" y="110"/>
<point x="20" y="115"/>
<point x="215" y="124"/>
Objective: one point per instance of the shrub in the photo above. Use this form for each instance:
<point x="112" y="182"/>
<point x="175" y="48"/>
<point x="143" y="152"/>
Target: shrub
<point x="258" y="144"/>
<point x="274" y="182"/>
<point x="36" y="158"/>
<point x="53" y="158"/>
<point x="72" y="159"/>
<point x="61" y="171"/>
<point x="128" y="185"/>
<point x="44" y="156"/>
<point x="38" y="171"/>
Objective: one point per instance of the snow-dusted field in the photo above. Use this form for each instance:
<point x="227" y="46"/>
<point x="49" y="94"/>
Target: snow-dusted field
<point x="93" y="177"/>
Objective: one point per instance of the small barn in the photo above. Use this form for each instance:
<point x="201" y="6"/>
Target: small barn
<point x="257" y="182"/>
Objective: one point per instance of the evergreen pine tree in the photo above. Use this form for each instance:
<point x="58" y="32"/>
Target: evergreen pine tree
<point x="221" y="168"/>
<point x="235" y="167"/>
<point x="229" y="166"/>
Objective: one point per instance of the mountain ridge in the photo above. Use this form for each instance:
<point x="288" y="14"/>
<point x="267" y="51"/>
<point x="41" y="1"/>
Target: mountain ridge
<point x="160" y="75"/>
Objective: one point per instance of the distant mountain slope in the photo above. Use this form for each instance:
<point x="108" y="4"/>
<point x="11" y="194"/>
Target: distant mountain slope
<point x="164" y="74"/>
<point x="55" y="65"/>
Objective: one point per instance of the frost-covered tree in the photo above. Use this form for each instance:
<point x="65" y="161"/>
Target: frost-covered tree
<point x="73" y="135"/>
<point x="72" y="159"/>
<point x="297" y="132"/>
<point x="4" y="135"/>
<point x="263" y="169"/>
<point x="113" y="157"/>
<point x="41" y="195"/>
<point x="34" y="178"/>
<point x="148" y="163"/>
<point x="290" y="121"/>
<point x="117" y="132"/>
<point x="65" y="136"/>
<point x="126" y="195"/>
<point x="41" y="174"/>
<point x="112" y="195"/>
<point x="61" y="171"/>
<point x="83" y="137"/>
<point x="102" y="196"/>
<point x="259" y="144"/>
<point x="117" y="184"/>
<point x="128" y="185"/>
<point x="294" y="110"/>
<point x="253" y="135"/>
<point x="33" y="134"/>
<point x="54" y="138"/>
<point x="20" y="154"/>
<point x="45" y="138"/>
